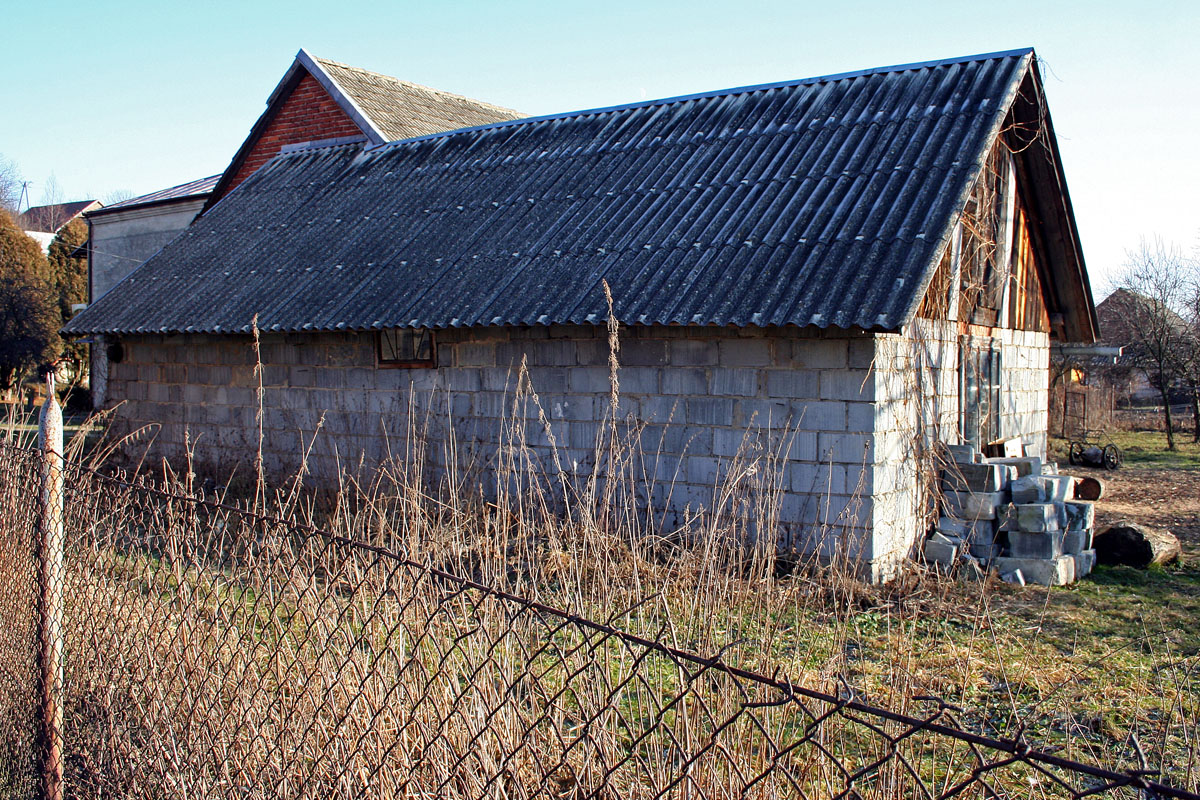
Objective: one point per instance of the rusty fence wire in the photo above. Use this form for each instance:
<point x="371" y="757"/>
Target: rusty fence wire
<point x="21" y="730"/>
<point x="213" y="652"/>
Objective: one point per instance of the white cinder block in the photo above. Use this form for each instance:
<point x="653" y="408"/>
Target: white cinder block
<point x="973" y="505"/>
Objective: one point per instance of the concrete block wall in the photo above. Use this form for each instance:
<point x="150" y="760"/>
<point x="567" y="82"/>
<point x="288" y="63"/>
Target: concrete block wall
<point x="696" y="397"/>
<point x="850" y="415"/>
<point x="1025" y="401"/>
<point x="917" y="371"/>
<point x="122" y="239"/>
<point x="910" y="414"/>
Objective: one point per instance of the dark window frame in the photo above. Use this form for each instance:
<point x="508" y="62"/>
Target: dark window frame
<point x="383" y="361"/>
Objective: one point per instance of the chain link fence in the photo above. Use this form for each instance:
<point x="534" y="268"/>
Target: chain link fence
<point x="20" y="607"/>
<point x="219" y="653"/>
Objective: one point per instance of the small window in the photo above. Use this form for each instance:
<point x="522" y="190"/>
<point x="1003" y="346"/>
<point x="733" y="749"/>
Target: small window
<point x="979" y="386"/>
<point x="406" y="347"/>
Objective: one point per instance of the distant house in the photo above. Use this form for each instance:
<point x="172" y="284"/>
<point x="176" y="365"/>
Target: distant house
<point x="316" y="101"/>
<point x="848" y="268"/>
<point x="43" y="223"/>
<point x="1116" y="314"/>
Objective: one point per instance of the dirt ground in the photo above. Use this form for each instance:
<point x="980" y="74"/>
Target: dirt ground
<point x="1163" y="498"/>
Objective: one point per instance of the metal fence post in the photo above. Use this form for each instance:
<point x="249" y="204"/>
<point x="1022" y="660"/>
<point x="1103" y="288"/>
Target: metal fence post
<point x="50" y="442"/>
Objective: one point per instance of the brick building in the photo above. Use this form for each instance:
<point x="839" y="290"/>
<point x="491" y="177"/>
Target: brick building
<point x="842" y="271"/>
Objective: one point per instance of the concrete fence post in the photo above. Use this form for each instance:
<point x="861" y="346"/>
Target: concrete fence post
<point x="50" y="443"/>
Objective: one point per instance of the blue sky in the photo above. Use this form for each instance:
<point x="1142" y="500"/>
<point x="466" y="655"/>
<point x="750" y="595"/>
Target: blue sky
<point x="137" y="96"/>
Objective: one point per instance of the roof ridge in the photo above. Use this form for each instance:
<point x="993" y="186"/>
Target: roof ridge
<point x="413" y="84"/>
<point x="730" y="92"/>
<point x="60" y="205"/>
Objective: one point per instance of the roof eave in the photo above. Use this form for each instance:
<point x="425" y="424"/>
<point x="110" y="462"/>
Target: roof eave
<point x="1040" y="157"/>
<point x="111" y="210"/>
<point x="70" y="330"/>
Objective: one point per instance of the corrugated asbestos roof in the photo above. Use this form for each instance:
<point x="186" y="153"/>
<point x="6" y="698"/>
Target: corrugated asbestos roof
<point x="818" y="202"/>
<point x="191" y="189"/>
<point x="403" y="110"/>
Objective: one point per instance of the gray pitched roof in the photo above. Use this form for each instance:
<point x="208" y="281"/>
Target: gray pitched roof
<point x="48" y="219"/>
<point x="822" y="202"/>
<point x="184" y="191"/>
<point x="384" y="108"/>
<point x="403" y="110"/>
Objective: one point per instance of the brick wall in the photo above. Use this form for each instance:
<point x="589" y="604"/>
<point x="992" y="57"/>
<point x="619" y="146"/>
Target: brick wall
<point x="308" y="114"/>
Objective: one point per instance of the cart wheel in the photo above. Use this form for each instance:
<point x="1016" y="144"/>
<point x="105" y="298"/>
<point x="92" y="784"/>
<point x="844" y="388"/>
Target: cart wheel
<point x="1112" y="456"/>
<point x="1075" y="453"/>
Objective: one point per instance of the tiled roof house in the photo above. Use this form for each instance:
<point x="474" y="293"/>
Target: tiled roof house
<point x="49" y="219"/>
<point x="42" y="223"/>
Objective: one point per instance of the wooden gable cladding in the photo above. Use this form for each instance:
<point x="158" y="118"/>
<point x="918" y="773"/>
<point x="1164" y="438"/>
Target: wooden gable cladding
<point x="936" y="303"/>
<point x="989" y="275"/>
<point x="1048" y="289"/>
<point x="1027" y="307"/>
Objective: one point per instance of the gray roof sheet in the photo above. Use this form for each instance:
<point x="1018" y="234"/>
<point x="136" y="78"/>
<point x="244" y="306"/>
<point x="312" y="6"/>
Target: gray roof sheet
<point x="191" y="189"/>
<point x="819" y="202"/>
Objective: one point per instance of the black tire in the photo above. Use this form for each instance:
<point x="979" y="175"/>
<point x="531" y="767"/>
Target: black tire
<point x="1112" y="456"/>
<point x="1075" y="453"/>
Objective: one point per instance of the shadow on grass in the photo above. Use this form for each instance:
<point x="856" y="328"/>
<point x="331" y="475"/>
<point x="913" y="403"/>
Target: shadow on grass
<point x="1119" y="602"/>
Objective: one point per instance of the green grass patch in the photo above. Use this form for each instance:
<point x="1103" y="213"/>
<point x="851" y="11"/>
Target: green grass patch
<point x="1132" y="604"/>
<point x="1147" y="449"/>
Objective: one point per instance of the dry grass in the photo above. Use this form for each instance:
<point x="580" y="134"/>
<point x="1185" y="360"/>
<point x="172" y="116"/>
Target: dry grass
<point x="220" y="652"/>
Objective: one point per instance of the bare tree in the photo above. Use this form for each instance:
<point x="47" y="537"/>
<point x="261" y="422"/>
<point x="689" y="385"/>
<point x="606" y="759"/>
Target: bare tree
<point x="1153" y="296"/>
<point x="117" y="196"/>
<point x="10" y="185"/>
<point x="1191" y="363"/>
<point x="52" y="195"/>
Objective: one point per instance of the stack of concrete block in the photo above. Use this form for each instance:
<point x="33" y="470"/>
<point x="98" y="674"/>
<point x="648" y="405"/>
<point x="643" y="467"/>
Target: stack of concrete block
<point x="1016" y="516"/>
